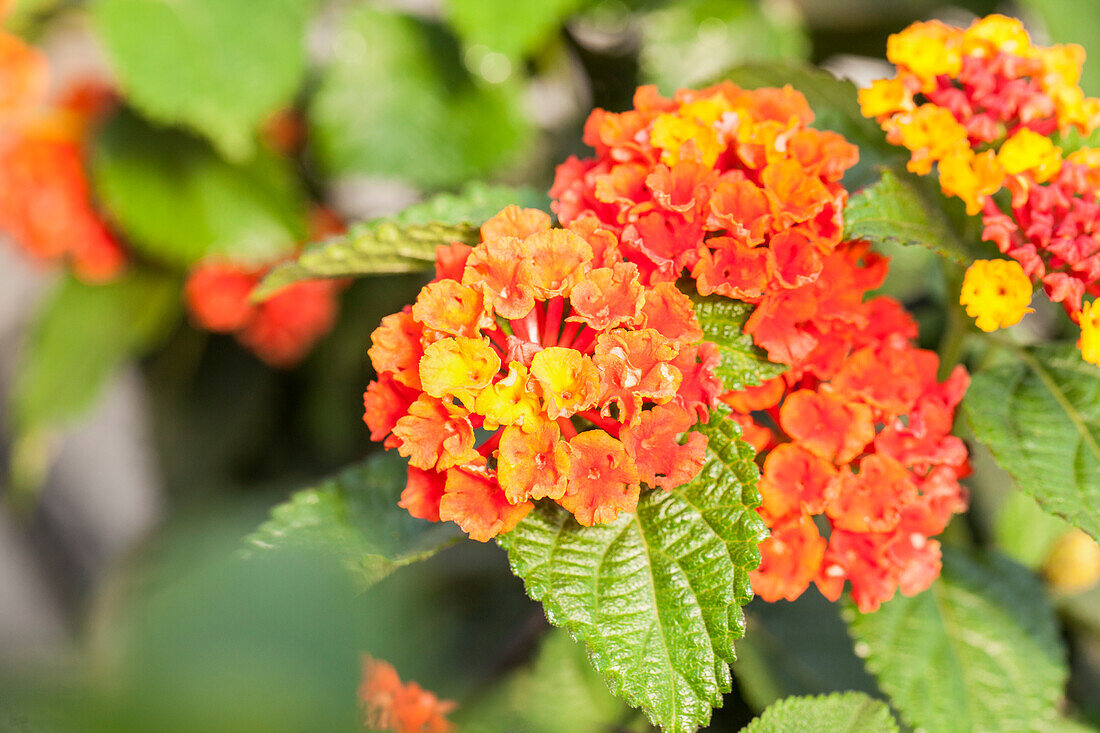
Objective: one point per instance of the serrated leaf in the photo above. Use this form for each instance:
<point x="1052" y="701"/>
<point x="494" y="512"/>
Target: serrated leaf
<point x="743" y="363"/>
<point x="656" y="595"/>
<point x="506" y="27"/>
<point x="177" y="201"/>
<point x="836" y="108"/>
<point x="217" y="66"/>
<point x="354" y="517"/>
<point x="1040" y="416"/>
<point x="83" y="334"/>
<point x="686" y="43"/>
<point x="397" y="101"/>
<point x="405" y="242"/>
<point x="853" y="712"/>
<point x="384" y="247"/>
<point x="978" y="651"/>
<point x="894" y="210"/>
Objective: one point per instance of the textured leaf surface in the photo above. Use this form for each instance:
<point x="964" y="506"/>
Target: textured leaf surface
<point x="397" y="101"/>
<point x="743" y="363"/>
<point x="851" y="712"/>
<point x="406" y="242"/>
<point x="656" y="595"/>
<point x="217" y="66"/>
<point x="894" y="210"/>
<point x="354" y="516"/>
<point x="689" y="42"/>
<point x="1040" y="416"/>
<point x="978" y="651"/>
<point x="177" y="201"/>
<point x="84" y="333"/>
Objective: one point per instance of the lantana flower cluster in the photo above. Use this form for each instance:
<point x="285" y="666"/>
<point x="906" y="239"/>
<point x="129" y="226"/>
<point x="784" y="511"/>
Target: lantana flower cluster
<point x="45" y="201"/>
<point x="538" y="365"/>
<point x="855" y="435"/>
<point x="982" y="104"/>
<point x="280" y="330"/>
<point x="394" y="706"/>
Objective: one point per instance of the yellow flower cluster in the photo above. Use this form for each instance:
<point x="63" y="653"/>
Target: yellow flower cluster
<point x="980" y="102"/>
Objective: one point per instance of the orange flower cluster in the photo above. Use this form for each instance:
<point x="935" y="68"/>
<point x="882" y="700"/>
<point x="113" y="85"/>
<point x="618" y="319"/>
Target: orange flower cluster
<point x="981" y="104"/>
<point x="856" y="433"/>
<point x="728" y="184"/>
<point x="585" y="378"/>
<point x="280" y="330"/>
<point x="45" y="203"/>
<point x="397" y="707"/>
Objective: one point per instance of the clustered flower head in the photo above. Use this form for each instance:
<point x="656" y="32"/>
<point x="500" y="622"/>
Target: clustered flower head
<point x="394" y="706"/>
<point x="982" y="104"/>
<point x="728" y="184"/>
<point x="280" y="330"/>
<point x="585" y="380"/>
<point x="856" y="433"/>
<point x="45" y="202"/>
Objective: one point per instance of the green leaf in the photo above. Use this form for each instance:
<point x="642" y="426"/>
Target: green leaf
<point x="1040" y="416"/>
<point x="368" y="249"/>
<point x="218" y="67"/>
<point x="1073" y="21"/>
<point x="177" y="201"/>
<point x="854" y="712"/>
<point x="797" y="648"/>
<point x="686" y="43"/>
<point x="403" y="243"/>
<point x="743" y="363"/>
<point x="558" y="693"/>
<point x="1025" y="532"/>
<point x="836" y="108"/>
<point x="505" y="27"/>
<point x="354" y="517"/>
<point x="84" y="333"/>
<point x="656" y="595"/>
<point x="894" y="210"/>
<point x="978" y="651"/>
<point x="397" y="101"/>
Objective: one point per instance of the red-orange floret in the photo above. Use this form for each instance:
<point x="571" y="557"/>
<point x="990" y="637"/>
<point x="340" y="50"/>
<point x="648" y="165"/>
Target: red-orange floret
<point x="603" y="480"/>
<point x="394" y="706"/>
<point x="476" y="503"/>
<point x="655" y="443"/>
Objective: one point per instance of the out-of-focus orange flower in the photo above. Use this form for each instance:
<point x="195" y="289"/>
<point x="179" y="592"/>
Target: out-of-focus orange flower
<point x="394" y="706"/>
<point x="585" y="378"/>
<point x="45" y="202"/>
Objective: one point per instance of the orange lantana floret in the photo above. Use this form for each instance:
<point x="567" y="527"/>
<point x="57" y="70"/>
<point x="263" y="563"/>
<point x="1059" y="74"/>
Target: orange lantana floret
<point x="585" y="379"/>
<point x="394" y="706"/>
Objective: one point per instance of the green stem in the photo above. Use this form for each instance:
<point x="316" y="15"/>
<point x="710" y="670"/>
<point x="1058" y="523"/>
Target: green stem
<point x="958" y="327"/>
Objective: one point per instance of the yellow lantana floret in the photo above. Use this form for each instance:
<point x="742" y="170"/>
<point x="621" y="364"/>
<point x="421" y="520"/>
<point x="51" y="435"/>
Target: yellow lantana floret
<point x="511" y="401"/>
<point x="694" y="121"/>
<point x="927" y="50"/>
<point x="930" y="133"/>
<point x="1029" y="152"/>
<point x="885" y="97"/>
<point x="996" y="33"/>
<point x="972" y="177"/>
<point x="458" y="367"/>
<point x="1089" y="344"/>
<point x="996" y="293"/>
<point x="570" y="381"/>
<point x="1073" y="564"/>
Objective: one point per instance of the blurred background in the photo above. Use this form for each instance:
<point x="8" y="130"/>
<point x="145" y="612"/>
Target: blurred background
<point x="137" y="450"/>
